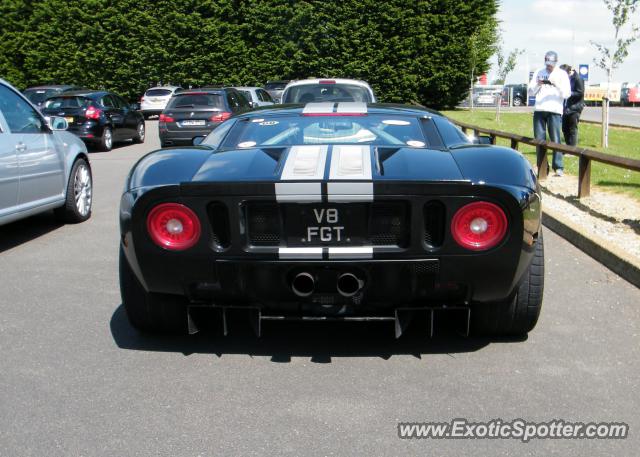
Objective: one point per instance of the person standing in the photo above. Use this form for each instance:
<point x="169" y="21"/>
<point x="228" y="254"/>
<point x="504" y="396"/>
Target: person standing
<point x="550" y="86"/>
<point x="572" y="107"/>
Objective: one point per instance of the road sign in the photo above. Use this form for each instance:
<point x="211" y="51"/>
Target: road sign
<point x="584" y="71"/>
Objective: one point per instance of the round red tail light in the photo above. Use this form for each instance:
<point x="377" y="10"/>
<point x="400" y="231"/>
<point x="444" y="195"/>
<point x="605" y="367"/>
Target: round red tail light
<point x="173" y="226"/>
<point x="479" y="226"/>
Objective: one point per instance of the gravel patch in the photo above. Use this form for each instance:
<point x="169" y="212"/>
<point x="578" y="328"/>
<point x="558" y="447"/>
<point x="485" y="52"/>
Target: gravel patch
<point x="613" y="217"/>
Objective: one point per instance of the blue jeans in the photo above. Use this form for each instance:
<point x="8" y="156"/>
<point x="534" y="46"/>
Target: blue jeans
<point x="543" y="121"/>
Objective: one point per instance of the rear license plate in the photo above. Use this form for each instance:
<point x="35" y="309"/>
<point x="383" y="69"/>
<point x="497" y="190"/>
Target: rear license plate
<point x="326" y="224"/>
<point x="69" y="119"/>
<point x="193" y="122"/>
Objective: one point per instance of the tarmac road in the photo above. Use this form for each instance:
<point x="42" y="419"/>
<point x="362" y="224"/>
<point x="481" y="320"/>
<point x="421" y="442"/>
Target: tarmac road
<point x="77" y="380"/>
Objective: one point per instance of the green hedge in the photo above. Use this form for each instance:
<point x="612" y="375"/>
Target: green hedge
<point x="407" y="50"/>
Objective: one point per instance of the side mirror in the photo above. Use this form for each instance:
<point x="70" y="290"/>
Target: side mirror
<point x="135" y="106"/>
<point x="197" y="140"/>
<point x="57" y="123"/>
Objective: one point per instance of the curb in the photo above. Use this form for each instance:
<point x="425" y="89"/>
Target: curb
<point x="611" y="257"/>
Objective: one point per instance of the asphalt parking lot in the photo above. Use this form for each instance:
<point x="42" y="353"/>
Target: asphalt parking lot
<point x="77" y="380"/>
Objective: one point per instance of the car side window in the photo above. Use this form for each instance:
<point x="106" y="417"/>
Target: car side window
<point x="244" y="100"/>
<point x="264" y="96"/>
<point x="18" y="114"/>
<point x="107" y="102"/>
<point x="451" y="134"/>
<point x="119" y="102"/>
<point x="234" y="103"/>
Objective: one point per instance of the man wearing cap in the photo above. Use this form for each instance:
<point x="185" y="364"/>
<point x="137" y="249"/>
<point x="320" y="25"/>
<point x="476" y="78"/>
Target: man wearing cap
<point x="550" y="86"/>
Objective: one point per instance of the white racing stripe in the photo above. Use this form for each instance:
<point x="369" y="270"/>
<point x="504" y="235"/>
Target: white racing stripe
<point x="305" y="163"/>
<point x="350" y="163"/>
<point x="318" y="108"/>
<point x="300" y="253"/>
<point x="352" y="107"/>
<point x="359" y="252"/>
<point x="303" y="192"/>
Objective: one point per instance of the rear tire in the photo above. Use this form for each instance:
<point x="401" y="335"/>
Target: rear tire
<point x="77" y="206"/>
<point x="140" y="133"/>
<point x="106" y="142"/>
<point x="148" y="312"/>
<point x="518" y="315"/>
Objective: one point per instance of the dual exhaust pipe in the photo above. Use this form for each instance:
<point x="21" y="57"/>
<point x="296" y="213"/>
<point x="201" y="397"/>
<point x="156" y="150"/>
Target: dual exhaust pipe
<point x="348" y="284"/>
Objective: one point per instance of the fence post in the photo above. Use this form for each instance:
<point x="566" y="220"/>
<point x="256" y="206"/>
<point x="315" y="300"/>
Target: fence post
<point x="464" y="130"/>
<point x="476" y="133"/>
<point x="584" y="177"/>
<point x="543" y="164"/>
<point x="492" y="138"/>
<point x="514" y="143"/>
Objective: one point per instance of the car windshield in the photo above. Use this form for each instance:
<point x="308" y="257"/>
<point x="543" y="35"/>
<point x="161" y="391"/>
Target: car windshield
<point x="307" y="93"/>
<point x="67" y="102"/>
<point x="37" y="96"/>
<point x="199" y="100"/>
<point x="157" y="93"/>
<point x="378" y="129"/>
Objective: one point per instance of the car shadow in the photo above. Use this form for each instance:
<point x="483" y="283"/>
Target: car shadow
<point x="318" y="341"/>
<point x="24" y="230"/>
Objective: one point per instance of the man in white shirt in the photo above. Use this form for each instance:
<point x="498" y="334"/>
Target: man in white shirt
<point x="551" y="87"/>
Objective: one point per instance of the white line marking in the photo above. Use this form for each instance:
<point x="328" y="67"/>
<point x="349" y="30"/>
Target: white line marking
<point x="300" y="253"/>
<point x="364" y="252"/>
<point x="350" y="162"/>
<point x="305" y="163"/>
<point x="318" y="108"/>
<point x="352" y="107"/>
<point x="307" y="192"/>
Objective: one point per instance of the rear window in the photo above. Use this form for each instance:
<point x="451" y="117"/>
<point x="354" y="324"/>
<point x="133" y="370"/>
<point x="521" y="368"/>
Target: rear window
<point x="158" y="92"/>
<point x="196" y="101"/>
<point x="326" y="93"/>
<point x="67" y="102"/>
<point x="37" y="96"/>
<point x="378" y="129"/>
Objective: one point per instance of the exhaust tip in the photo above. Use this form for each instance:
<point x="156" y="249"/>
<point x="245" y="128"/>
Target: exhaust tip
<point x="348" y="284"/>
<point x="303" y="284"/>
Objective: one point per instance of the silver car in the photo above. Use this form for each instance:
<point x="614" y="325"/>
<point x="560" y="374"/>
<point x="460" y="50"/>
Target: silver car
<point x="256" y="96"/>
<point x="42" y="167"/>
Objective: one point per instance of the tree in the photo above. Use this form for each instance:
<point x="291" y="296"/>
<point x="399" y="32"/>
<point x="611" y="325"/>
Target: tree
<point x="611" y="58"/>
<point x="482" y="45"/>
<point x="505" y="66"/>
<point x="406" y="50"/>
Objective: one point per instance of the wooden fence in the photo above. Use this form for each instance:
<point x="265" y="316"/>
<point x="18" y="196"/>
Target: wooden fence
<point x="586" y="156"/>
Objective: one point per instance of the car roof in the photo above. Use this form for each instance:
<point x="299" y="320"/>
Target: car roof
<point x="51" y="86"/>
<point x="302" y="82"/>
<point x="200" y="90"/>
<point x="89" y="93"/>
<point x="372" y="108"/>
<point x="163" y="87"/>
<point x="246" y="87"/>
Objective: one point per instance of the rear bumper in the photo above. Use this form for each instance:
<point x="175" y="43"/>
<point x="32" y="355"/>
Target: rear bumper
<point x="87" y="132"/>
<point x="240" y="274"/>
<point x="182" y="137"/>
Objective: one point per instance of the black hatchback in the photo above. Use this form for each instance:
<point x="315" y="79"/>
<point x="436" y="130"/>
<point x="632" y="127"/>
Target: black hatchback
<point x="99" y="118"/>
<point x="194" y="113"/>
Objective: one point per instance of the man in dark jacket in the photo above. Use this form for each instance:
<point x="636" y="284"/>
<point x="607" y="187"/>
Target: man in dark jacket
<point x="573" y="107"/>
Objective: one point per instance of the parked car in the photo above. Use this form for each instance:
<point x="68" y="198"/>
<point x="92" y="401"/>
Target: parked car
<point x="342" y="211"/>
<point x="42" y="167"/>
<point x="99" y="118"/>
<point x="39" y="94"/>
<point x="275" y="89"/>
<point x="328" y="90"/>
<point x="257" y="96"/>
<point x="518" y="97"/>
<point x="155" y="99"/>
<point x="195" y="112"/>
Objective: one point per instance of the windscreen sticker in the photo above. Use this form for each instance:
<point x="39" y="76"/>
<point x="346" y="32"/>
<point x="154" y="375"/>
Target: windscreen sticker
<point x="269" y="123"/>
<point x="416" y="144"/>
<point x="257" y="120"/>
<point x="247" y="144"/>
<point x="395" y="122"/>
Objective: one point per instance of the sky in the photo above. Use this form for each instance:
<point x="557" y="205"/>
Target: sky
<point x="565" y="26"/>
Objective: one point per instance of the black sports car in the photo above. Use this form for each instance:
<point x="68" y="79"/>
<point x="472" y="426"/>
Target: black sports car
<point x="328" y="211"/>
